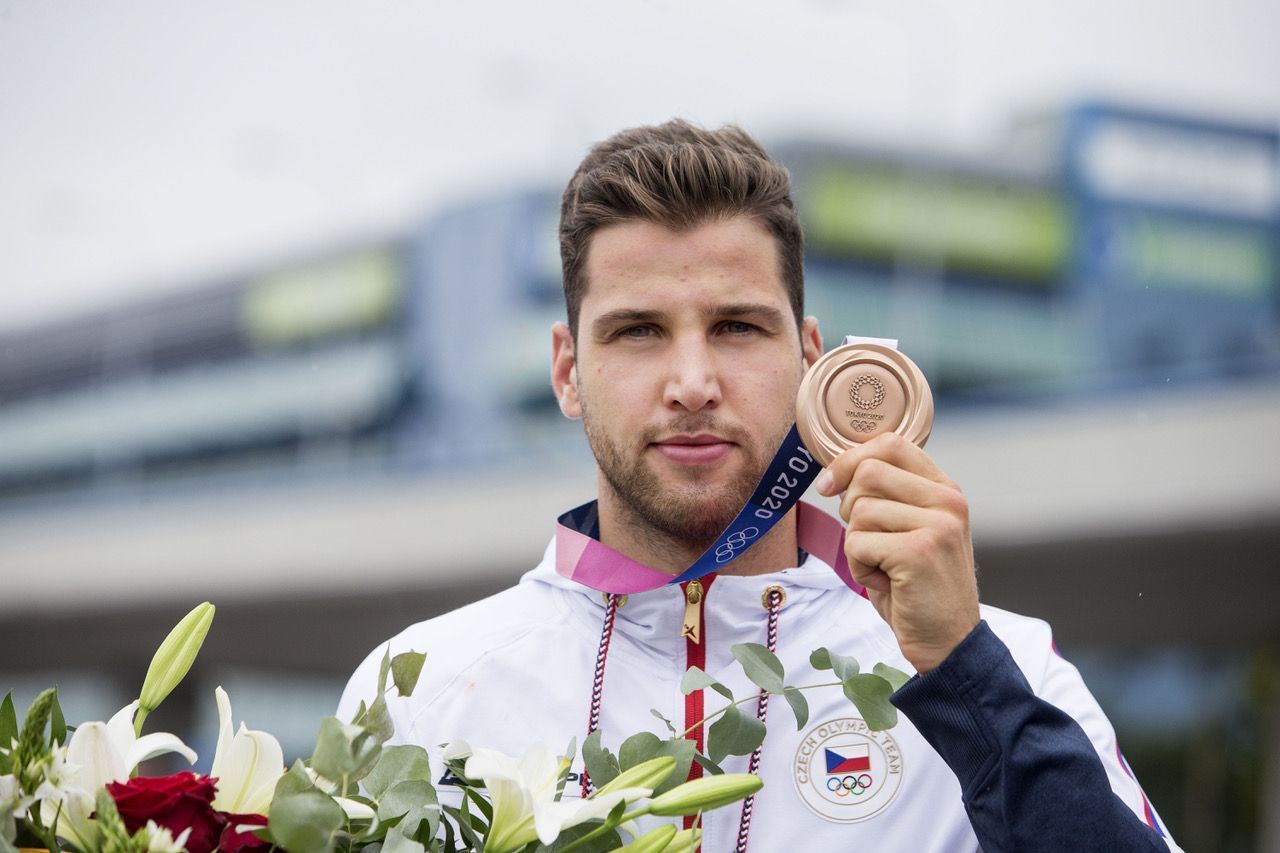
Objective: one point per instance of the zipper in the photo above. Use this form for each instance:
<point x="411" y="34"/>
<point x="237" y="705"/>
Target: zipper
<point x="693" y="629"/>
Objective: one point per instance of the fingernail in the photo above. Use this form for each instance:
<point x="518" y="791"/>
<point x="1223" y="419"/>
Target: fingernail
<point x="824" y="481"/>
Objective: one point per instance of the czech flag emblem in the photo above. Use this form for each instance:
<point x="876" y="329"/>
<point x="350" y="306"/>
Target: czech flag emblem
<point x="852" y="759"/>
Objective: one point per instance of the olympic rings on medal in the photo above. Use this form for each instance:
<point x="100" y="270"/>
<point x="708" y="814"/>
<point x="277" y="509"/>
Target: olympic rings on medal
<point x="844" y="786"/>
<point x="735" y="543"/>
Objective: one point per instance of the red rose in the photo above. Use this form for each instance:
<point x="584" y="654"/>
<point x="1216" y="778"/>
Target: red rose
<point x="178" y="802"/>
<point x="241" y="842"/>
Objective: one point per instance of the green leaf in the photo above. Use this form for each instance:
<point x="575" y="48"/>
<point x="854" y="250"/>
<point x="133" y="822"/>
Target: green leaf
<point x="378" y="720"/>
<point x="682" y="751"/>
<point x="57" y="723"/>
<point x="843" y="666"/>
<point x="895" y="677"/>
<point x="707" y="764"/>
<point x="8" y="732"/>
<point x="397" y="764"/>
<point x="644" y="746"/>
<point x="601" y="763"/>
<point x="604" y="844"/>
<point x="344" y="751"/>
<point x="465" y="828"/>
<point x="761" y="666"/>
<point x="384" y="669"/>
<point x="870" y="693"/>
<point x="799" y="706"/>
<point x="405" y="669"/>
<point x="657" y="714"/>
<point x="414" y="800"/>
<point x="696" y="679"/>
<point x="638" y="749"/>
<point x="399" y="843"/>
<point x="735" y="733"/>
<point x="305" y="822"/>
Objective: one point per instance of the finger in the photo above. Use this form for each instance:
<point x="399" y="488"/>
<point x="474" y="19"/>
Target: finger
<point x="888" y="447"/>
<point x="878" y="478"/>
<point x="871" y="513"/>
<point x="868" y="552"/>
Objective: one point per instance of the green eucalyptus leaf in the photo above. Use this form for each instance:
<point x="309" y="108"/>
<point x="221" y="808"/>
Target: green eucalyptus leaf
<point x="397" y="764"/>
<point x="378" y="720"/>
<point x="799" y="705"/>
<point x="707" y="764"/>
<point x="405" y="669"/>
<point x="870" y="693"/>
<point x="735" y="733"/>
<point x="761" y="666"/>
<point x="895" y="677"/>
<point x="344" y="751"/>
<point x="696" y="679"/>
<point x="601" y="763"/>
<point x="682" y="751"/>
<point x="413" y="801"/>
<point x="305" y="821"/>
<point x="658" y="714"/>
<point x="638" y="749"/>
<point x="384" y="669"/>
<point x="642" y="747"/>
<point x="398" y="843"/>
<point x="843" y="666"/>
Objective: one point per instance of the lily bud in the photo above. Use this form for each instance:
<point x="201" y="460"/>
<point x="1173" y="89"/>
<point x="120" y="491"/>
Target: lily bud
<point x="647" y="774"/>
<point x="705" y="794"/>
<point x="173" y="659"/>
<point x="653" y="841"/>
<point x="684" y="841"/>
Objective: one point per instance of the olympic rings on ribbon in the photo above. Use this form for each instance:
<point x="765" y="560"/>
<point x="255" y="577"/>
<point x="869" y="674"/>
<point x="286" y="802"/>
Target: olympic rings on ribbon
<point x="845" y="786"/>
<point x="736" y="542"/>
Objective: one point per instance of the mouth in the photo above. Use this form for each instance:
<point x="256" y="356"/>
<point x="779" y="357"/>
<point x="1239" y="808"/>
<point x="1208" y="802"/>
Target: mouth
<point x="695" y="449"/>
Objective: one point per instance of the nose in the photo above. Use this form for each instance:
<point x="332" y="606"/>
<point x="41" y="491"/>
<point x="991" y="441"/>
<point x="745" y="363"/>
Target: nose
<point x="693" y="379"/>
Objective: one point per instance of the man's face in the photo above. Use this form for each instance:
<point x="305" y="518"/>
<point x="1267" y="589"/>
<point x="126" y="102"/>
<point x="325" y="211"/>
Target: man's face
<point x="685" y="368"/>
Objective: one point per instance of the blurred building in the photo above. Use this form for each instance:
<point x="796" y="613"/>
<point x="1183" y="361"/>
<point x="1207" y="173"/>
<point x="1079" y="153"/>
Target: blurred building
<point x="344" y="443"/>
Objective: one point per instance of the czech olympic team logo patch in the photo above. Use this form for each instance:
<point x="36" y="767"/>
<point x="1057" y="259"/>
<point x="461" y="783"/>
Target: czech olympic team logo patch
<point x="845" y="772"/>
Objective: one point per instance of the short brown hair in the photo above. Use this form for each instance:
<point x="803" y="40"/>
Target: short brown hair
<point x="678" y="175"/>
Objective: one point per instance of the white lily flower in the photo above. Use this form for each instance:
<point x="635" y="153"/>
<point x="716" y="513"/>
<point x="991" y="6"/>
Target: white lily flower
<point x="99" y="753"/>
<point x="456" y="749"/>
<point x="247" y="765"/>
<point x="523" y="797"/>
<point x="160" y="839"/>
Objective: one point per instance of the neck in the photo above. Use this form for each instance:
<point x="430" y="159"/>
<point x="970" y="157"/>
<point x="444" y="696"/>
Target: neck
<point x="627" y="533"/>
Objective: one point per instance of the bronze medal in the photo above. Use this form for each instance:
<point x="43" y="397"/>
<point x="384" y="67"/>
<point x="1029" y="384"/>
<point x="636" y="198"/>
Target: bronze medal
<point x="858" y="391"/>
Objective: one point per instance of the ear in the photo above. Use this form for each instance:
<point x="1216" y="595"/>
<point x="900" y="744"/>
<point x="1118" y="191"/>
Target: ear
<point x="810" y="340"/>
<point x="564" y="371"/>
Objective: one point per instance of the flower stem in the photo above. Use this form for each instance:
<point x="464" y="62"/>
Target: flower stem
<point x="604" y="828"/>
<point x="751" y="698"/>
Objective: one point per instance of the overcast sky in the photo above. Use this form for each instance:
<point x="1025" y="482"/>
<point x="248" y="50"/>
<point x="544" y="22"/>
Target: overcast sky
<point x="148" y="145"/>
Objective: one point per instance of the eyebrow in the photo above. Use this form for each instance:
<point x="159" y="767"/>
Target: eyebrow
<point x="766" y="314"/>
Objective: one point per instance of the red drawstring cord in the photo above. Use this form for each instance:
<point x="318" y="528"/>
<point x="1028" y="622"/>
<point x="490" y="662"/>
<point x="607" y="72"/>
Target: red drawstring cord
<point x="611" y="603"/>
<point x="773" y="599"/>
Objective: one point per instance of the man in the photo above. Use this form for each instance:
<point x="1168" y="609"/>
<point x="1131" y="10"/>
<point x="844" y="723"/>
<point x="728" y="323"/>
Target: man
<point x="683" y="351"/>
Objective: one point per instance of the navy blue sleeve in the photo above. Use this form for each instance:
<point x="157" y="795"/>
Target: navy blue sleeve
<point x="1029" y="775"/>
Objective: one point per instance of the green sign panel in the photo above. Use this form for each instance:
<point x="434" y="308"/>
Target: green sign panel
<point x="967" y="224"/>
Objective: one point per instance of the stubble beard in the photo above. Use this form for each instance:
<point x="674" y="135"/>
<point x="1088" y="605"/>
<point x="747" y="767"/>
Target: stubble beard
<point x="693" y="511"/>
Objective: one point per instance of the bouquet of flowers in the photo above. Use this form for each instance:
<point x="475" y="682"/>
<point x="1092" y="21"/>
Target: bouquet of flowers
<point x="66" y="788"/>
